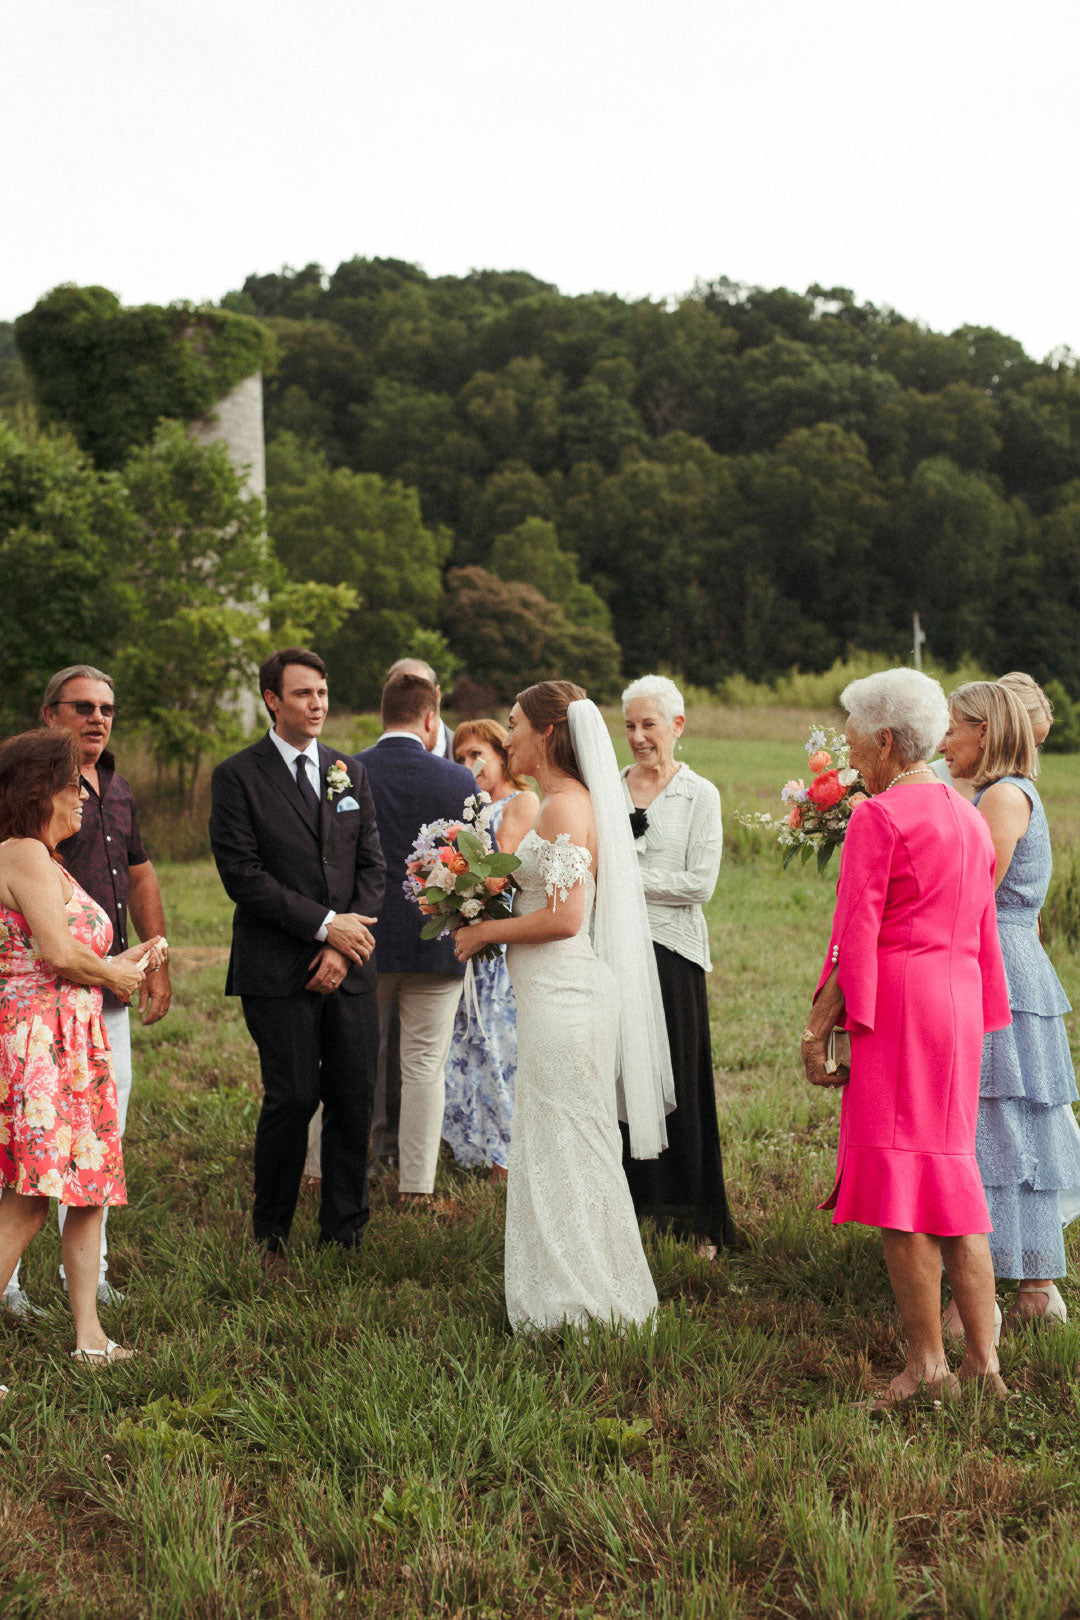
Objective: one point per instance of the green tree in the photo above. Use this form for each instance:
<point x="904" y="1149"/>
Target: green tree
<point x="339" y="527"/>
<point x="508" y="635"/>
<point x="68" y="541"/>
<point x="531" y="552"/>
<point x="202" y="574"/>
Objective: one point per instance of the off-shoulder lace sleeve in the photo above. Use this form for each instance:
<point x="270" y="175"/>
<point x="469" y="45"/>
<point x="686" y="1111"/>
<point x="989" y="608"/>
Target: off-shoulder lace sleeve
<point x="563" y="865"/>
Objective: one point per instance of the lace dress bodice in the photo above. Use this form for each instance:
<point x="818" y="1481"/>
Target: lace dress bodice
<point x="549" y="869"/>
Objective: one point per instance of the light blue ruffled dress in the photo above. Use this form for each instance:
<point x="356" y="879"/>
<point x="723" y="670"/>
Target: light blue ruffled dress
<point x="1028" y="1143"/>
<point x="483" y="1062"/>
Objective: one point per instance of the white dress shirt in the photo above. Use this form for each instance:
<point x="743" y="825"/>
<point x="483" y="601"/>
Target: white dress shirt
<point x="290" y="755"/>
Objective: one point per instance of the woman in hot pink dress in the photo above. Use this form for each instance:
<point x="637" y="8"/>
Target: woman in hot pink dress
<point x="914" y="973"/>
<point x="58" y="1125"/>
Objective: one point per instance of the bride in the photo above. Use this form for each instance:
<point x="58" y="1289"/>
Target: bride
<point x="592" y="1042"/>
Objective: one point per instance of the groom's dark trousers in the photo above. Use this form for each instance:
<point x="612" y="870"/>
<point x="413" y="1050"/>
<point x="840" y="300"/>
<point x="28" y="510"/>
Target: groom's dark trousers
<point x="285" y="866"/>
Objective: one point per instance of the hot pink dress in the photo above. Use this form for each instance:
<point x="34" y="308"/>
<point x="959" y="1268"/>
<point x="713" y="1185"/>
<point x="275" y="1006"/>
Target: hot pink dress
<point x="915" y="942"/>
<point x="58" y="1123"/>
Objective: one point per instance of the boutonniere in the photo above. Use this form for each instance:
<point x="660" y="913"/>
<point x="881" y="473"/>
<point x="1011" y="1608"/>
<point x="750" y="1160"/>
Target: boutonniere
<point x="337" y="779"/>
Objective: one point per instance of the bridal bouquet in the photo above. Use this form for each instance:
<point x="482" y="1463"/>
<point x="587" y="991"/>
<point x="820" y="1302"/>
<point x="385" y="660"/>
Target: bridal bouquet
<point x="456" y="875"/>
<point x="818" y="815"/>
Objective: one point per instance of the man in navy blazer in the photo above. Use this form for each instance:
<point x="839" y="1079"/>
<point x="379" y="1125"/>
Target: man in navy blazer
<point x="411" y="787"/>
<point x="292" y="829"/>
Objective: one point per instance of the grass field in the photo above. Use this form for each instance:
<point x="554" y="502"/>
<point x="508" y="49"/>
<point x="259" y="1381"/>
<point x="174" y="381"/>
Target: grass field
<point x="369" y="1438"/>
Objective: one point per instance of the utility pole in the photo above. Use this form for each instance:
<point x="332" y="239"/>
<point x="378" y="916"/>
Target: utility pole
<point x="919" y="636"/>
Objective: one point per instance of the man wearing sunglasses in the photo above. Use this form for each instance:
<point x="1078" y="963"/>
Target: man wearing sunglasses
<point x="107" y="857"/>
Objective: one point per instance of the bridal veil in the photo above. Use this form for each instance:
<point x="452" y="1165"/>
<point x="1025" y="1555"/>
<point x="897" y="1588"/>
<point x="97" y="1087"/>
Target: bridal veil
<point x="646" y="1089"/>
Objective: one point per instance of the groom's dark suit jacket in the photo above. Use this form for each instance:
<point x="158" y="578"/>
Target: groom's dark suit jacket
<point x="284" y="872"/>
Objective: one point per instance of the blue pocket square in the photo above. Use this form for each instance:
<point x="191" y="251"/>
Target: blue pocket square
<point x="348" y="803"/>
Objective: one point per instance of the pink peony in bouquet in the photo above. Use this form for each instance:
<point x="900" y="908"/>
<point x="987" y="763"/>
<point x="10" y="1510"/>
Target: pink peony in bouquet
<point x="456" y="875"/>
<point x="818" y="815"/>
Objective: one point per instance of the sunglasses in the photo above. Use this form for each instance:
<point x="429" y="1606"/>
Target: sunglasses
<point x="84" y="710"/>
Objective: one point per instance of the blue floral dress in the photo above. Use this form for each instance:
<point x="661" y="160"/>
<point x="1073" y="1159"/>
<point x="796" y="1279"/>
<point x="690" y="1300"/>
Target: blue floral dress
<point x="1027" y="1142"/>
<point x="481" y="1067"/>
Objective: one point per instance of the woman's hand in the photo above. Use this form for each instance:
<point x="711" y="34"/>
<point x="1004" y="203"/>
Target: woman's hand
<point x="470" y="938"/>
<point x="150" y="954"/>
<point x="813" y="1056"/>
<point x="125" y="973"/>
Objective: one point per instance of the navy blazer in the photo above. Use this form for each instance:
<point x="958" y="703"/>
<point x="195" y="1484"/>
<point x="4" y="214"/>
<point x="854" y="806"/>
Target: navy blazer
<point x="410" y="788"/>
<point x="283" y="874"/>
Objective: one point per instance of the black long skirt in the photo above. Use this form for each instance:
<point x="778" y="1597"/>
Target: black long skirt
<point x="683" y="1190"/>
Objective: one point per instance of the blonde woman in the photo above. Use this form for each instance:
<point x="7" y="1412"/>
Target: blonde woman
<point x="1027" y="1143"/>
<point x="1040" y="712"/>
<point x="483" y="1055"/>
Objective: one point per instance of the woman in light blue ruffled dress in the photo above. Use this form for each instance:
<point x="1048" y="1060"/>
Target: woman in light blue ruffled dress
<point x="483" y="1056"/>
<point x="1027" y="1142"/>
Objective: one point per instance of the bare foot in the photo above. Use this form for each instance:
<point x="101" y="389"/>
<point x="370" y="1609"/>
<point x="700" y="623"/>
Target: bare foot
<point x="415" y="1203"/>
<point x="934" y="1383"/>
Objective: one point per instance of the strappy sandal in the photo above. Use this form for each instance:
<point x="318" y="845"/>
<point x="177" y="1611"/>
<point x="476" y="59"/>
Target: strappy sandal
<point x="112" y="1352"/>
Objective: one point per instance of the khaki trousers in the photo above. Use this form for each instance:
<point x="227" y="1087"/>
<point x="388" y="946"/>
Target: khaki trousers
<point x="428" y="1004"/>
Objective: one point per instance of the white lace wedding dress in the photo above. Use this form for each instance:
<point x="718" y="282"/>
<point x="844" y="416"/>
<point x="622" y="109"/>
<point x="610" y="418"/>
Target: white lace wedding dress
<point x="573" y="1251"/>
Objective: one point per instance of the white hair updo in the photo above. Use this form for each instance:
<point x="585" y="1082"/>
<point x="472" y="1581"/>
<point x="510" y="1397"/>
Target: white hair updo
<point x="659" y="690"/>
<point x="910" y="704"/>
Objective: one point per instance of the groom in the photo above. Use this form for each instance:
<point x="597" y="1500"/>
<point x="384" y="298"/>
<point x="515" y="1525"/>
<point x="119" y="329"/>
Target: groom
<point x="292" y="828"/>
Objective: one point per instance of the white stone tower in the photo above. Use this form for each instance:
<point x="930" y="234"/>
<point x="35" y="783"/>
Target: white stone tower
<point x="236" y="421"/>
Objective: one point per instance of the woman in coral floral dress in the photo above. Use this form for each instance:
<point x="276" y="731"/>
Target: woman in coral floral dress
<point x="58" y="1125"/>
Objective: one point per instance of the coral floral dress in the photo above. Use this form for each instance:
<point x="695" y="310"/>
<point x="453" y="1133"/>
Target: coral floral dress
<point x="58" y="1122"/>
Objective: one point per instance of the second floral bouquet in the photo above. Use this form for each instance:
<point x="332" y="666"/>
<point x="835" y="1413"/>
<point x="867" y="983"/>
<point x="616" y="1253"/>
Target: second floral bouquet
<point x="818" y="815"/>
<point x="456" y="875"/>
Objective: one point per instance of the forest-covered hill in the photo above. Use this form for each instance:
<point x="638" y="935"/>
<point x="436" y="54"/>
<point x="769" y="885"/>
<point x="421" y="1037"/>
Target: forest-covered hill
<point x="750" y="478"/>
<point x="742" y="480"/>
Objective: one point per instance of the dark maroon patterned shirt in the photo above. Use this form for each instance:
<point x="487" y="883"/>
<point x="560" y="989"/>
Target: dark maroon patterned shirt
<point x="107" y="844"/>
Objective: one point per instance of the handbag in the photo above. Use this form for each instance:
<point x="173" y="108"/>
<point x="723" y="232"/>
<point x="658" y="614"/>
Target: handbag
<point x="837" y="1051"/>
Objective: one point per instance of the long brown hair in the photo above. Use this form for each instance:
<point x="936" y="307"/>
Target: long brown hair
<point x="34" y="766"/>
<point x="545" y="704"/>
<point x="492" y="733"/>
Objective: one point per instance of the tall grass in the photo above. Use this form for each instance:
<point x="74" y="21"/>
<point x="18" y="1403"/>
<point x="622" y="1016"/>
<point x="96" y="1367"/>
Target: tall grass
<point x="800" y="689"/>
<point x="367" y="1438"/>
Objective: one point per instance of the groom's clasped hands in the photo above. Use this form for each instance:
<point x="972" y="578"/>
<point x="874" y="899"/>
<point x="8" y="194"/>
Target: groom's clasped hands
<point x="348" y="940"/>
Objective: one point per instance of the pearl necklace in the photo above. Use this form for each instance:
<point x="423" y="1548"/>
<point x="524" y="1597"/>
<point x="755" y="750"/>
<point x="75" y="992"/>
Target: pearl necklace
<point x="918" y="770"/>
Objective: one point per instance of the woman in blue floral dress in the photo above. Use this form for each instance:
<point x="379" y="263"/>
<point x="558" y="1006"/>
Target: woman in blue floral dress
<point x="483" y="1057"/>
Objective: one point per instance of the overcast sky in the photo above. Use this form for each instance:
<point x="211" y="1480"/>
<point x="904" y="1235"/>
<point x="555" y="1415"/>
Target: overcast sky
<point x="923" y="154"/>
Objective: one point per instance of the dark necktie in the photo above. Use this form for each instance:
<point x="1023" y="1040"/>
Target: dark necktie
<point x="307" y="792"/>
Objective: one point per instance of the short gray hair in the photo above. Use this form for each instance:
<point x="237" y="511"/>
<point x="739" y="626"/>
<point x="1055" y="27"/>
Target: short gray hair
<point x="662" y="691"/>
<point x="413" y="666"/>
<point x="905" y="701"/>
<point x="73" y="672"/>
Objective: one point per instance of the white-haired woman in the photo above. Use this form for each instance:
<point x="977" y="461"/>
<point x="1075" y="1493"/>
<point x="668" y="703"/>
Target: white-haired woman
<point x="675" y="817"/>
<point x="914" y="973"/>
